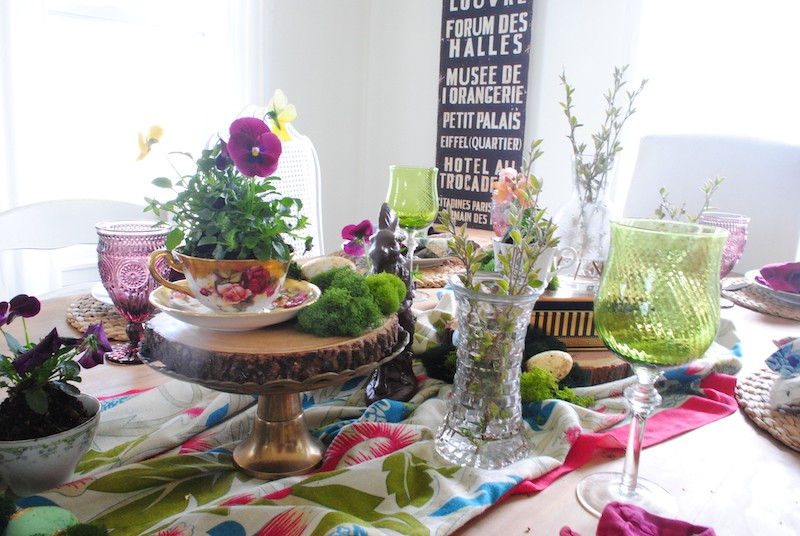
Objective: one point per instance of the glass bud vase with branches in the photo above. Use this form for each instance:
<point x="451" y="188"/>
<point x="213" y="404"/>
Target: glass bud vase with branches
<point x="483" y="426"/>
<point x="584" y="221"/>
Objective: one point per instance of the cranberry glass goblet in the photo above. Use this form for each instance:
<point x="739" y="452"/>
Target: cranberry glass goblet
<point x="123" y="248"/>
<point x="736" y="225"/>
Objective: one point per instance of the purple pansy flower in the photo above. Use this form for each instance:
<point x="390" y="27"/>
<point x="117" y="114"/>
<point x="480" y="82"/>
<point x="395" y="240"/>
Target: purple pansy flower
<point x="20" y="305"/>
<point x="37" y="355"/>
<point x="358" y="235"/>
<point x="254" y="149"/>
<point x="96" y="351"/>
<point x="223" y="159"/>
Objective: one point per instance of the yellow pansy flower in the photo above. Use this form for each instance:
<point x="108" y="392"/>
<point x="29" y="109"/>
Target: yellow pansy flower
<point x="279" y="113"/>
<point x="146" y="142"/>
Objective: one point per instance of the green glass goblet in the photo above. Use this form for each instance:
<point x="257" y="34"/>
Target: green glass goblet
<point x="657" y="306"/>
<point x="413" y="195"/>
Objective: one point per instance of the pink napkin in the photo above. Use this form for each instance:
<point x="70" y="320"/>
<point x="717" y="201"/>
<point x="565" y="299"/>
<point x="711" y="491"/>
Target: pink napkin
<point x="783" y="276"/>
<point x="620" y="519"/>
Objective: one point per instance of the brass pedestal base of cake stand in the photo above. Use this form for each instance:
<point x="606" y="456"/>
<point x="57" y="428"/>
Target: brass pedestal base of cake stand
<point x="279" y="444"/>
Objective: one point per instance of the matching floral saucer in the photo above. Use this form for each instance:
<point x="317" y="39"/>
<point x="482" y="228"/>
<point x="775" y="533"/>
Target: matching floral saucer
<point x="293" y="296"/>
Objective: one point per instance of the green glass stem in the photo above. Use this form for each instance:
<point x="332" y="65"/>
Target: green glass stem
<point x="643" y="399"/>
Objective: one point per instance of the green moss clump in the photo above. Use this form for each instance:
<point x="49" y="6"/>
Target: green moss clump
<point x="343" y="277"/>
<point x="536" y="385"/>
<point x="568" y="395"/>
<point x="539" y="384"/>
<point x="338" y="313"/>
<point x="323" y="280"/>
<point x="387" y="290"/>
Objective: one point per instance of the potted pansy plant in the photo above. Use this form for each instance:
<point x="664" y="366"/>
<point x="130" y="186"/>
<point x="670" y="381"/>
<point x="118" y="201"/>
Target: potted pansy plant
<point x="46" y="423"/>
<point x="232" y="225"/>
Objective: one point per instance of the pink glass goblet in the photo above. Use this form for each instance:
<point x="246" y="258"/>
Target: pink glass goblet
<point x="123" y="248"/>
<point x="736" y="225"/>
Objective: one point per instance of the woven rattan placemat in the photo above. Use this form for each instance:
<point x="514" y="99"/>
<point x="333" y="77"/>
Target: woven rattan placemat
<point x="428" y="277"/>
<point x="752" y="392"/>
<point x="760" y="300"/>
<point x="87" y="310"/>
<point x="437" y="276"/>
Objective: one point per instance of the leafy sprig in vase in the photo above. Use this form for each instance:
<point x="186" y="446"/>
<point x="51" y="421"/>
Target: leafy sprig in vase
<point x="584" y="221"/>
<point x="483" y="426"/>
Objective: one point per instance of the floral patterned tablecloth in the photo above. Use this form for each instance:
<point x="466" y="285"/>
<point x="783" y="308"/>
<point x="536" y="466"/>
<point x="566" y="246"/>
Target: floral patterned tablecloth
<point x="161" y="460"/>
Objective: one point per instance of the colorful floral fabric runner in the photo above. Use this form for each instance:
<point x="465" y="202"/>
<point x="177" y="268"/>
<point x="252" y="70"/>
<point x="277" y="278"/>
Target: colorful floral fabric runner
<point x="161" y="461"/>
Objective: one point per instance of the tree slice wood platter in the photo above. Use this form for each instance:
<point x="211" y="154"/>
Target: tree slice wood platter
<point x="600" y="366"/>
<point x="276" y="359"/>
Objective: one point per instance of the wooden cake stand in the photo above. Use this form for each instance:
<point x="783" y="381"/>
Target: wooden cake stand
<point x="276" y="363"/>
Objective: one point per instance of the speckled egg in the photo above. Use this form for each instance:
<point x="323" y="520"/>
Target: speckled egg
<point x="556" y="361"/>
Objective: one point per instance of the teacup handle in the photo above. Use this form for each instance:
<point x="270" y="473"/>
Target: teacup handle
<point x="565" y="261"/>
<point x="175" y="265"/>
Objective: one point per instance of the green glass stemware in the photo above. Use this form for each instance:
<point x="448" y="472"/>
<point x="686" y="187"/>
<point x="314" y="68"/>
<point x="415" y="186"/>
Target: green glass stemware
<point x="413" y="195"/>
<point x="657" y="306"/>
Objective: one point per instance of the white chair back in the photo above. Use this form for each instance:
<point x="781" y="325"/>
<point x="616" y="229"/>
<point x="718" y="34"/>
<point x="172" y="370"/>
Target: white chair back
<point x="55" y="225"/>
<point x="300" y="176"/>
<point x="762" y="181"/>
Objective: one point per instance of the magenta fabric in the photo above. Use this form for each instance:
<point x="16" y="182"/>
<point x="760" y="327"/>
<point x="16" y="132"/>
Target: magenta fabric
<point x="783" y="276"/>
<point x="719" y="402"/>
<point x="620" y="519"/>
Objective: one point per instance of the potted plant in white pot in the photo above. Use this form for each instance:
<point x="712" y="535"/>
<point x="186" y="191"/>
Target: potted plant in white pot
<point x="483" y="426"/>
<point x="231" y="223"/>
<point x="46" y="423"/>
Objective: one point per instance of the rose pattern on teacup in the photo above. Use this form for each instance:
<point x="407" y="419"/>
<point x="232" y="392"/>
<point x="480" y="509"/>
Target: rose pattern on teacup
<point x="225" y="285"/>
<point x="239" y="289"/>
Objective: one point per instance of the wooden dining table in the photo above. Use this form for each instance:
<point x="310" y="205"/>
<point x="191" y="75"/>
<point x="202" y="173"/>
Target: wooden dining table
<point x="729" y="475"/>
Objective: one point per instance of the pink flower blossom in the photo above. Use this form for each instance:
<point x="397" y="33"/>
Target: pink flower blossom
<point x="572" y="434"/>
<point x="245" y="498"/>
<point x="289" y="523"/>
<point x="233" y="292"/>
<point x="358" y="235"/>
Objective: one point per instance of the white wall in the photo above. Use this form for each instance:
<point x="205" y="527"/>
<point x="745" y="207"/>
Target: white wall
<point x="364" y="77"/>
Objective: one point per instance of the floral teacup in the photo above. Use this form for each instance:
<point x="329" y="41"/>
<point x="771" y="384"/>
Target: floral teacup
<point x="225" y="286"/>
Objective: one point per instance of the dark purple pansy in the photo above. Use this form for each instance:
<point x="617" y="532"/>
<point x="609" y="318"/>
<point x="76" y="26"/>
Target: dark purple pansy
<point x="37" y="355"/>
<point x="96" y="351"/>
<point x="254" y="149"/>
<point x="222" y="160"/>
<point x="20" y="305"/>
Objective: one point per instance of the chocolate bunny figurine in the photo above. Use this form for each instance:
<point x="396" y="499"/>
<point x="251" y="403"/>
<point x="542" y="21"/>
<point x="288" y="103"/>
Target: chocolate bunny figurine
<point x="395" y="379"/>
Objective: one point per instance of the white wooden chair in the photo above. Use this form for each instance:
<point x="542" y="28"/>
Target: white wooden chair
<point x="300" y="176"/>
<point x="762" y="181"/>
<point x="66" y="225"/>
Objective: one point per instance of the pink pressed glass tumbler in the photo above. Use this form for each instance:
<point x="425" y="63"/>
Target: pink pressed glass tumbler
<point x="736" y="225"/>
<point x="123" y="249"/>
